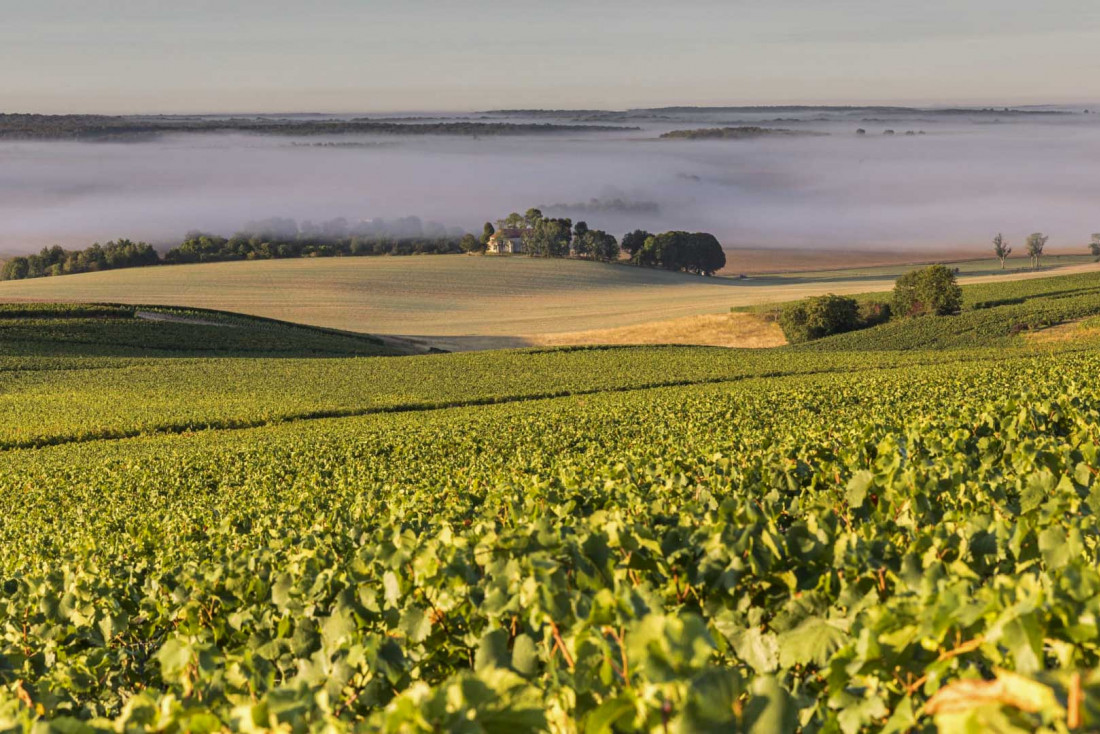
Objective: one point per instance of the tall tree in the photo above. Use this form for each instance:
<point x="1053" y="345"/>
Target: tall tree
<point x="1094" y="246"/>
<point x="1035" y="244"/>
<point x="1001" y="249"/>
<point x="487" y="233"/>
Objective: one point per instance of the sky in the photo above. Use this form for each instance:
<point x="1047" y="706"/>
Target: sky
<point x="133" y="56"/>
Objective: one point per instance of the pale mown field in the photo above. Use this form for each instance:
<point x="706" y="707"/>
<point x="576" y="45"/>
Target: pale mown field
<point x="468" y="302"/>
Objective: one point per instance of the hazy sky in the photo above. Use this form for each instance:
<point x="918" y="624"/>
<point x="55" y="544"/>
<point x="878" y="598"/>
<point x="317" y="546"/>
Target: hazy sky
<point x="363" y="55"/>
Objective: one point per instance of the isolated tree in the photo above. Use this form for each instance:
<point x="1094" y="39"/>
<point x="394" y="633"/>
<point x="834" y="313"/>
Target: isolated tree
<point x="1035" y="244"/>
<point x="1001" y="249"/>
<point x="1094" y="246"/>
<point x="487" y="233"/>
<point x="931" y="290"/>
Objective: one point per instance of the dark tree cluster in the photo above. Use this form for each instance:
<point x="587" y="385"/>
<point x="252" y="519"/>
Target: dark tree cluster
<point x="691" y="252"/>
<point x="59" y="261"/>
<point x="735" y="133"/>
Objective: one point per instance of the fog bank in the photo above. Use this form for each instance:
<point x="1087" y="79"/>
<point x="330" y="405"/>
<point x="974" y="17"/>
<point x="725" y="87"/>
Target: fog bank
<point x="965" y="179"/>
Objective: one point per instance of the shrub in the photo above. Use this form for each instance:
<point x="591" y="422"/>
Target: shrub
<point x="818" y="317"/>
<point x="931" y="290"/>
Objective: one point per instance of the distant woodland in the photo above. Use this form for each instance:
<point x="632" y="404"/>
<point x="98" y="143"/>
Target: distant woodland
<point x="282" y="238"/>
<point x="102" y="127"/>
<point x="736" y="133"/>
<point x="269" y="239"/>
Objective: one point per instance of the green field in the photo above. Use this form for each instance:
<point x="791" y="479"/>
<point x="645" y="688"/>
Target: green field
<point x="215" y="522"/>
<point x="450" y="302"/>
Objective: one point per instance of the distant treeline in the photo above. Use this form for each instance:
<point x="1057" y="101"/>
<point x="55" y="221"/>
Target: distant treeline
<point x="280" y="238"/>
<point x="103" y="127"/>
<point x="780" y="108"/>
<point x="735" y="133"/>
<point x="266" y="240"/>
<point x="59" y="261"/>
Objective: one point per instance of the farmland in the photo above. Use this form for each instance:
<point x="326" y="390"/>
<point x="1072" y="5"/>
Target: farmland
<point x="254" y="525"/>
<point x="451" y="302"/>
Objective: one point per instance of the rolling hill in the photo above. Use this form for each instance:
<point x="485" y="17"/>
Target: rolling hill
<point x="259" y="523"/>
<point x="447" y="302"/>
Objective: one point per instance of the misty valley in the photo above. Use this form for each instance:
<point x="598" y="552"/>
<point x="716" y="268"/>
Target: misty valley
<point x="798" y="177"/>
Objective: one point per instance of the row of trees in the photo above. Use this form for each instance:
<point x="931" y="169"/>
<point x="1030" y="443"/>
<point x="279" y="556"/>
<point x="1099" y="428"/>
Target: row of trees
<point x="692" y="252"/>
<point x="265" y="240"/>
<point x="59" y="261"/>
<point x="200" y="247"/>
<point x="1035" y="242"/>
<point x="929" y="291"/>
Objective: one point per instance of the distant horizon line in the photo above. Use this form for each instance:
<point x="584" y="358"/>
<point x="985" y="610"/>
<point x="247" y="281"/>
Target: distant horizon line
<point x="945" y="106"/>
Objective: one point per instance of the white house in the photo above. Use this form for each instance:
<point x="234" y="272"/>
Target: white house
<point x="506" y="242"/>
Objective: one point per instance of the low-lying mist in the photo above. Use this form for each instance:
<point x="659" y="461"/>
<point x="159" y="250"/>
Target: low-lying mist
<point x="954" y="187"/>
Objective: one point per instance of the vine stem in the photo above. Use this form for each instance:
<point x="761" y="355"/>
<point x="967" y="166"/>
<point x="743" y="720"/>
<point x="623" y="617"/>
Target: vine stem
<point x="960" y="649"/>
<point x="561" y="644"/>
<point x="1074" y="701"/>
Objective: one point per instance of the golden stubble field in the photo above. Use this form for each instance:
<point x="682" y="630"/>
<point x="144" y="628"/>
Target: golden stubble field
<point x="469" y="302"/>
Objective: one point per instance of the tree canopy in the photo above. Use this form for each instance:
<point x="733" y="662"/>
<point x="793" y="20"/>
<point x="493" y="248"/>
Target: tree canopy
<point x="59" y="261"/>
<point x="819" y="317"/>
<point x="1035" y="244"/>
<point x="692" y="252"/>
<point x="931" y="290"/>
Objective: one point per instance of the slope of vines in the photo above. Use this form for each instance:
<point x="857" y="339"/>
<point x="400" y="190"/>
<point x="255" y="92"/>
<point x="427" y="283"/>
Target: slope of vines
<point x="829" y="551"/>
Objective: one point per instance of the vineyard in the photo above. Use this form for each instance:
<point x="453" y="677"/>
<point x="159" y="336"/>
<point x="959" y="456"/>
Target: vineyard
<point x="597" y="540"/>
<point x="70" y="330"/>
